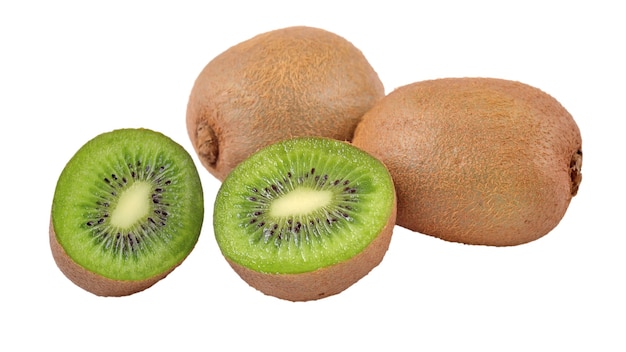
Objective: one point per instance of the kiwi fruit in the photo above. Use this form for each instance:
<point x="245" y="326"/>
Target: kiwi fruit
<point x="476" y="160"/>
<point x="290" y="82"/>
<point x="127" y="209"/>
<point x="305" y="218"/>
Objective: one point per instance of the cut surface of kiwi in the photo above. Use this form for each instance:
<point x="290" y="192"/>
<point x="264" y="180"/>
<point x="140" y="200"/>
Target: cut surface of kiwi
<point x="301" y="206"/>
<point x="127" y="208"/>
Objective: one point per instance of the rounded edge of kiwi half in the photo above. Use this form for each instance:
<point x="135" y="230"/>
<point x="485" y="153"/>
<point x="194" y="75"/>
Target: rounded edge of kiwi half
<point x="294" y="245"/>
<point x="289" y="82"/>
<point x="92" y="282"/>
<point x="157" y="239"/>
<point x="481" y="161"/>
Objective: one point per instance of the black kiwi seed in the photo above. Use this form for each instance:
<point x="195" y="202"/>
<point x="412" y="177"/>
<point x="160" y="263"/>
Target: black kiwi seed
<point x="267" y="228"/>
<point x="325" y="224"/>
<point x="140" y="235"/>
<point x="127" y="210"/>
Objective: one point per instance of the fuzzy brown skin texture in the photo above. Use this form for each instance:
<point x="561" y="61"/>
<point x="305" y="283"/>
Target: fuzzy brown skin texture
<point x="323" y="282"/>
<point x="92" y="282"/>
<point x="476" y="160"/>
<point x="290" y="82"/>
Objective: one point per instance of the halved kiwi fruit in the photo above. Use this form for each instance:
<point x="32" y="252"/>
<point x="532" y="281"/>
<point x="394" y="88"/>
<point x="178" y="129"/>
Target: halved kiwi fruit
<point x="476" y="160"/>
<point x="289" y="82"/>
<point x="127" y="209"/>
<point x="305" y="218"/>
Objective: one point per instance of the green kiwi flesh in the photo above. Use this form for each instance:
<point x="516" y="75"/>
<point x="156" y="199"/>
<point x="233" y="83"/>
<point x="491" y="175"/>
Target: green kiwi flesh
<point x="302" y="205"/>
<point x="128" y="207"/>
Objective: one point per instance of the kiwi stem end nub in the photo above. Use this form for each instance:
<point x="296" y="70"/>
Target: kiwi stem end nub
<point x="575" y="167"/>
<point x="208" y="148"/>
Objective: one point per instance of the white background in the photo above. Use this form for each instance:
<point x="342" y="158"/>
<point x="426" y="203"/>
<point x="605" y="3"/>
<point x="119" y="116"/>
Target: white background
<point x="72" y="70"/>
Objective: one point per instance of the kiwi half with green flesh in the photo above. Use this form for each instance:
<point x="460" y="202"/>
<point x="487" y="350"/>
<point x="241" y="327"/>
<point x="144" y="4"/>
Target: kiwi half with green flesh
<point x="290" y="82"/>
<point x="305" y="218"/>
<point x="127" y="209"/>
<point x="476" y="160"/>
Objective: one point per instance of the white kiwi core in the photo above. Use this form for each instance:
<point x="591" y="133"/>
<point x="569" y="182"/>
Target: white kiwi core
<point x="300" y="201"/>
<point x="133" y="205"/>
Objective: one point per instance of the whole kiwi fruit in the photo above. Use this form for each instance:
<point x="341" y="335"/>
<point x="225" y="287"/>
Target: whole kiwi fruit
<point x="290" y="82"/>
<point x="127" y="210"/>
<point x="476" y="160"/>
<point x="305" y="218"/>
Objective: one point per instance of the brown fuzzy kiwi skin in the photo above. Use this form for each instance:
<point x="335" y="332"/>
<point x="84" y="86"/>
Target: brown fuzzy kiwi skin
<point x="92" y="282"/>
<point x="323" y="282"/>
<point x="481" y="161"/>
<point x="290" y="82"/>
